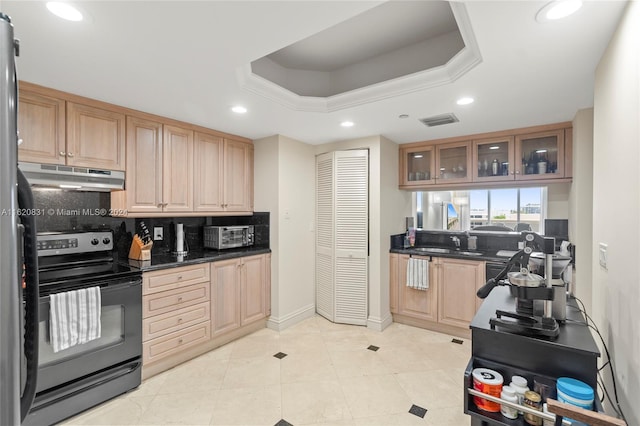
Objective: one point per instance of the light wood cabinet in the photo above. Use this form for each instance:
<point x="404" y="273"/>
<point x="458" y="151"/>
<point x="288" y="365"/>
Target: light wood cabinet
<point x="175" y="311"/>
<point x="41" y="125"/>
<point x="223" y="174"/>
<point x="241" y="292"/>
<point x="225" y="300"/>
<point x="177" y="169"/>
<point x="59" y="131"/>
<point x="458" y="282"/>
<point x="540" y="155"/>
<point x="494" y="159"/>
<point x="450" y="302"/>
<point x="532" y="154"/>
<point x="420" y="304"/>
<point x="143" y="182"/>
<point x="253" y="289"/>
<point x="95" y="137"/>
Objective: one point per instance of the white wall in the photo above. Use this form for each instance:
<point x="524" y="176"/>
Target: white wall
<point x="581" y="203"/>
<point x="616" y="205"/>
<point x="284" y="184"/>
<point x="558" y="201"/>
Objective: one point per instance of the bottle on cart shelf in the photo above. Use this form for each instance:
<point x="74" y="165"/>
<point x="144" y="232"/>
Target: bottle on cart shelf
<point x="509" y="394"/>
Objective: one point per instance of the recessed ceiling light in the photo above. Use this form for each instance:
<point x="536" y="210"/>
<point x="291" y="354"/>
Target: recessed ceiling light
<point x="465" y="101"/>
<point x="494" y="147"/>
<point x="403" y="116"/>
<point x="64" y="11"/>
<point x="557" y="10"/>
<point x="239" y="109"/>
<point x="347" y="124"/>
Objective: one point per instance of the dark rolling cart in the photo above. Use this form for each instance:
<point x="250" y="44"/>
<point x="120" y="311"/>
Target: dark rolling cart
<point x="573" y="353"/>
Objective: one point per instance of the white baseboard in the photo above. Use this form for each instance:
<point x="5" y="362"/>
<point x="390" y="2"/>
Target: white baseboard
<point x="378" y="324"/>
<point x="286" y="321"/>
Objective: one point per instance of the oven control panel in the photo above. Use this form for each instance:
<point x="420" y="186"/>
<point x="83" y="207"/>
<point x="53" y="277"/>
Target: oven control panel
<point x="56" y="243"/>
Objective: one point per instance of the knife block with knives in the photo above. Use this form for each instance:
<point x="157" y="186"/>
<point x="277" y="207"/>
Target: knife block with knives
<point x="141" y="245"/>
<point x="139" y="250"/>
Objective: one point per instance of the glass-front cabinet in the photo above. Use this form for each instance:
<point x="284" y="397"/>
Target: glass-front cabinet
<point x="453" y="162"/>
<point x="418" y="166"/>
<point x="493" y="159"/>
<point x="540" y="155"/>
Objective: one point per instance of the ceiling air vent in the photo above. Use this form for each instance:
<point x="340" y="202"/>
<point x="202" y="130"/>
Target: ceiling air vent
<point x="439" y="120"/>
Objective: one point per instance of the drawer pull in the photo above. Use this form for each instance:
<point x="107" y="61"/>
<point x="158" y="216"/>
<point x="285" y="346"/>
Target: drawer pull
<point x="179" y="319"/>
<point x="62" y="153"/>
<point x="179" y="299"/>
<point x="179" y="277"/>
<point x="180" y="341"/>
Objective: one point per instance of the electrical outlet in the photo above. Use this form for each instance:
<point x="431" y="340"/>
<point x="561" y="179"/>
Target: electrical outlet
<point x="602" y="255"/>
<point x="158" y="233"/>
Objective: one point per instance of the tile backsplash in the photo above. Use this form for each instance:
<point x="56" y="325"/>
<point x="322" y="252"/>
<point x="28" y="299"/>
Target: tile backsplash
<point x="64" y="210"/>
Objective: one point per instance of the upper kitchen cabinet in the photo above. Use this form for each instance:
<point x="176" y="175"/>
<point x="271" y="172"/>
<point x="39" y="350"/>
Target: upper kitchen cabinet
<point x="223" y="174"/>
<point x="177" y="169"/>
<point x="159" y="176"/>
<point x="417" y="166"/>
<point x="493" y="159"/>
<point x="453" y="163"/>
<point x="41" y="123"/>
<point x="144" y="168"/>
<point x="540" y="155"/>
<point x="58" y="128"/>
<point x="532" y="154"/>
<point x="95" y="137"/>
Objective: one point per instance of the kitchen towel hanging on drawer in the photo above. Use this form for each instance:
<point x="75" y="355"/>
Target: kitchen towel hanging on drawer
<point x="75" y="317"/>
<point x="418" y="274"/>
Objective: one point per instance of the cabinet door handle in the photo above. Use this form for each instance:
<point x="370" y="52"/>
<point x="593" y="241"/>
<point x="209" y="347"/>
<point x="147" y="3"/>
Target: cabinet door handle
<point x="62" y="153"/>
<point x="517" y="172"/>
<point x="70" y="154"/>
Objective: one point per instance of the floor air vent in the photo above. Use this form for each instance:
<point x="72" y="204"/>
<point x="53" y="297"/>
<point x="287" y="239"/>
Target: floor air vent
<point x="439" y="120"/>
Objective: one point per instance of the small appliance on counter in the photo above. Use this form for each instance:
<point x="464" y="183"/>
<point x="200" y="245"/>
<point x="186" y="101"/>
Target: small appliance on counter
<point x="181" y="244"/>
<point x="226" y="237"/>
<point x="531" y="291"/>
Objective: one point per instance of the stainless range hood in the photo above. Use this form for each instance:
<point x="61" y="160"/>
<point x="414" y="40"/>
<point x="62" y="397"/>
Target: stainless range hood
<point x="70" y="177"/>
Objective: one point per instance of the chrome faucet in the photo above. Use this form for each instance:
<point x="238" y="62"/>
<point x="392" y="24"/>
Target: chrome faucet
<point x="456" y="241"/>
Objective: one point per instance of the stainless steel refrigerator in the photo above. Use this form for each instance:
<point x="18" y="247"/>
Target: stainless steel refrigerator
<point x="18" y="253"/>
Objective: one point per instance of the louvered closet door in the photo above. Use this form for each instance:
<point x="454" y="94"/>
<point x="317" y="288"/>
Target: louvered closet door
<point x="324" y="236"/>
<point x="351" y="236"/>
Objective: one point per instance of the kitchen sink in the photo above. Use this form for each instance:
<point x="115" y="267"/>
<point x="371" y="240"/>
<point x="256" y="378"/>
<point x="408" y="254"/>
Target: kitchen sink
<point x="432" y="249"/>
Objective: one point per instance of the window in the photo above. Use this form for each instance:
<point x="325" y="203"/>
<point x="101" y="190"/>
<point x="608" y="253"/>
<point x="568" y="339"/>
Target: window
<point x="515" y="208"/>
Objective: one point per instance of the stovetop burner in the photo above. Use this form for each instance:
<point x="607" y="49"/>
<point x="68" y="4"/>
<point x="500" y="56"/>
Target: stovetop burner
<point x="76" y="259"/>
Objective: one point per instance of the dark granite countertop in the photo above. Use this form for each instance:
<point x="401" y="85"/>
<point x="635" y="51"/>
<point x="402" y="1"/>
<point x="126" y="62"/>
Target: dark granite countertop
<point x="488" y="256"/>
<point x="166" y="260"/>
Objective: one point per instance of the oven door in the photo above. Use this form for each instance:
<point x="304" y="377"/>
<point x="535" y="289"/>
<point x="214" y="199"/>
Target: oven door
<point x="120" y="339"/>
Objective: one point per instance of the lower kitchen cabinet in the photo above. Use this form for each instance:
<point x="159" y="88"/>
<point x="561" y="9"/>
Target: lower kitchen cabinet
<point x="240" y="288"/>
<point x="420" y="304"/>
<point x="175" y="311"/>
<point x="459" y="281"/>
<point x="450" y="302"/>
<point x="225" y="300"/>
<point x="192" y="309"/>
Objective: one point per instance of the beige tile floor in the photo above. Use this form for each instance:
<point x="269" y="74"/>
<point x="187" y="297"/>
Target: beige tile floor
<point x="328" y="377"/>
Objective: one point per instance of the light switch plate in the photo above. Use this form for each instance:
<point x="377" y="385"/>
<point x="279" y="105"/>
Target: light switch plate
<point x="158" y="232"/>
<point x="602" y="255"/>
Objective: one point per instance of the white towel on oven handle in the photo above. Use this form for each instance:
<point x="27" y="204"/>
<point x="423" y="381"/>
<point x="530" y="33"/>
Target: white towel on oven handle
<point x="418" y="274"/>
<point x="74" y="317"/>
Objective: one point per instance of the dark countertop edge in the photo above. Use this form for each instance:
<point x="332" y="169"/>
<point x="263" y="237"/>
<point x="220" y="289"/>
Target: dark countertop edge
<point x="486" y="256"/>
<point x="168" y="261"/>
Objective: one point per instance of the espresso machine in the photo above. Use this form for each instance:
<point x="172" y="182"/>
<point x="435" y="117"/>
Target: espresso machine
<point x="534" y="293"/>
